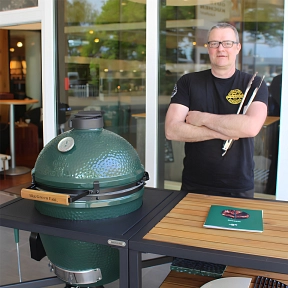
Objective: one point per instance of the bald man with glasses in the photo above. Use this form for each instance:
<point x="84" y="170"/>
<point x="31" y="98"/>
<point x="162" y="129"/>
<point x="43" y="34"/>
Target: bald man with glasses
<point x="210" y="108"/>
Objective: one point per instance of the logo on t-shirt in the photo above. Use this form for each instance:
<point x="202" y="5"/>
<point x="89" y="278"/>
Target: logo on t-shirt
<point x="235" y="96"/>
<point x="174" y="91"/>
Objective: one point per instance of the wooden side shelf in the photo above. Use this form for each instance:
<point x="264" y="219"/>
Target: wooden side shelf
<point x="185" y="280"/>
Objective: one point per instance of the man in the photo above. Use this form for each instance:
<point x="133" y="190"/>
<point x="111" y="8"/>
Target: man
<point x="203" y="113"/>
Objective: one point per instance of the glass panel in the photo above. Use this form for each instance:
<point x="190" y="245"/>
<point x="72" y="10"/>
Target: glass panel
<point x="6" y="5"/>
<point x="25" y="82"/>
<point x="260" y="27"/>
<point x="101" y="48"/>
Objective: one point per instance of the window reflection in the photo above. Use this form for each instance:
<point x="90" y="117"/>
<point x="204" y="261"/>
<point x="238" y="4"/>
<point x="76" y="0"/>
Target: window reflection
<point x="260" y="26"/>
<point x="104" y="61"/>
<point x="7" y="5"/>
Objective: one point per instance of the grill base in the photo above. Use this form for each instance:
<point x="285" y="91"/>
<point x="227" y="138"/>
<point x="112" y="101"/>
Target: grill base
<point x="77" y="277"/>
<point x="73" y="256"/>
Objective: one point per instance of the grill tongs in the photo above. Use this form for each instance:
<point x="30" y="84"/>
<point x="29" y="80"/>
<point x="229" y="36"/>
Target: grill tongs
<point x="228" y="143"/>
<point x="264" y="282"/>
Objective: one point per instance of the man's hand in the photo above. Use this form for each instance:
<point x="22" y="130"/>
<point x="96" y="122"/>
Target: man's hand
<point x="177" y="129"/>
<point x="195" y="118"/>
<point x="233" y="125"/>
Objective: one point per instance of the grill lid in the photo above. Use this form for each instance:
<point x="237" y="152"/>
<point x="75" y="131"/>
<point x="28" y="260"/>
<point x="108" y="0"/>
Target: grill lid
<point x="88" y="154"/>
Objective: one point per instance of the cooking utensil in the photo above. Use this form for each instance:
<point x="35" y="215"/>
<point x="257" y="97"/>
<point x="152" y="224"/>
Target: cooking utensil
<point x="228" y="143"/>
<point x="253" y="96"/>
<point x="246" y="92"/>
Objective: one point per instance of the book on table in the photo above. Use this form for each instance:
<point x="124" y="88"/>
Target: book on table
<point x="234" y="218"/>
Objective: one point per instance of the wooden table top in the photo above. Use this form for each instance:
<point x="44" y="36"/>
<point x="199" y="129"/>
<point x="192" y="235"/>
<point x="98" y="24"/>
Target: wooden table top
<point x="270" y="120"/>
<point x="184" y="225"/>
<point x="139" y="115"/>
<point x="18" y="101"/>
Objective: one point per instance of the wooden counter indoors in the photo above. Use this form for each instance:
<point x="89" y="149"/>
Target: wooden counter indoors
<point x="184" y="225"/>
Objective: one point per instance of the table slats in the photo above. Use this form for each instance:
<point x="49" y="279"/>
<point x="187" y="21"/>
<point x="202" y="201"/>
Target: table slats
<point x="184" y="226"/>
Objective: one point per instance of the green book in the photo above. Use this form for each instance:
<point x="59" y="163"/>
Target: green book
<point x="232" y="218"/>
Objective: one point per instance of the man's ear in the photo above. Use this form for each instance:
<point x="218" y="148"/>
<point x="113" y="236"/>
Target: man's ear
<point x="238" y="48"/>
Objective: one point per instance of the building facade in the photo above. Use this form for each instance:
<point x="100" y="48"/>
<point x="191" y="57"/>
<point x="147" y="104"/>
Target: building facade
<point x="124" y="57"/>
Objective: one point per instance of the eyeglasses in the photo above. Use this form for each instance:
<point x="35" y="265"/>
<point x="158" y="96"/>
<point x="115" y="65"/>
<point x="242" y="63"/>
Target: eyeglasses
<point x="225" y="44"/>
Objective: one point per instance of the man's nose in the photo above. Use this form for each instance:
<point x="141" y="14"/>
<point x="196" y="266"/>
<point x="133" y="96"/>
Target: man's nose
<point x="221" y="47"/>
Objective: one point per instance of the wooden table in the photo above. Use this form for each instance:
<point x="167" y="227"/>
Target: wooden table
<point x="270" y="120"/>
<point x="181" y="234"/>
<point x="20" y="169"/>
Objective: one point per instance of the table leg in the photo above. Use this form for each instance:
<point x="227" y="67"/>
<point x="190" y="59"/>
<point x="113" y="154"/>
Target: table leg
<point x="12" y="136"/>
<point x="135" y="269"/>
<point x="14" y="170"/>
<point x="124" y="268"/>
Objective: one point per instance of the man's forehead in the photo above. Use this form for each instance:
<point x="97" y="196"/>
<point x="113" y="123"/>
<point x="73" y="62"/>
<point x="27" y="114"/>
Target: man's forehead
<point x="222" y="32"/>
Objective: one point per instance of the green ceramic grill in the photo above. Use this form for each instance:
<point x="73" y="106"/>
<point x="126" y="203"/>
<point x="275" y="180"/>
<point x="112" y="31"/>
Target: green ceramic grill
<point x="86" y="173"/>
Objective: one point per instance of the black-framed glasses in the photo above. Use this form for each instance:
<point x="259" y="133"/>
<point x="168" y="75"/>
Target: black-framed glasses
<point x="225" y="44"/>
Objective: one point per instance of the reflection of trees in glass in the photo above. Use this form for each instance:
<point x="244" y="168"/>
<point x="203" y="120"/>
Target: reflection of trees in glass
<point x="7" y="5"/>
<point x="272" y="30"/>
<point x="114" y="12"/>
<point x="173" y="42"/>
<point x="121" y="42"/>
<point x="101" y="44"/>
<point x="174" y="35"/>
<point x="178" y="12"/>
<point x="94" y="72"/>
<point x="126" y="43"/>
<point x="80" y="12"/>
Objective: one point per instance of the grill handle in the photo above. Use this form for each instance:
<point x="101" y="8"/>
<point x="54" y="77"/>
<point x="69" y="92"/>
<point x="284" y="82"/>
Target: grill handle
<point x="45" y="196"/>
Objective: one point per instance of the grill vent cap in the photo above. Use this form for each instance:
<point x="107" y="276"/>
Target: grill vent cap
<point x="87" y="120"/>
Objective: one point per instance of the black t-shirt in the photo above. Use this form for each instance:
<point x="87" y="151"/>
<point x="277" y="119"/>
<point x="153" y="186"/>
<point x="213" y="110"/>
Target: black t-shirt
<point x="204" y="165"/>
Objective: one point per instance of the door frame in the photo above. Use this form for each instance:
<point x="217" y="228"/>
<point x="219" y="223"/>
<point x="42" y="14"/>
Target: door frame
<point x="45" y="15"/>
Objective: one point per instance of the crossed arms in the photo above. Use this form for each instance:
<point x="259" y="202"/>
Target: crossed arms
<point x="194" y="126"/>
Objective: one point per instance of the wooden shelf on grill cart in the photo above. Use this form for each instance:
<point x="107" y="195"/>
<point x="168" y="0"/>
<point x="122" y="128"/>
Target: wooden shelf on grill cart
<point x="185" y="280"/>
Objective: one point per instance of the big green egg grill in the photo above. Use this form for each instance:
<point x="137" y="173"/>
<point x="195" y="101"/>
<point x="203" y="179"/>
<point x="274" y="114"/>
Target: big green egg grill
<point x="86" y="173"/>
